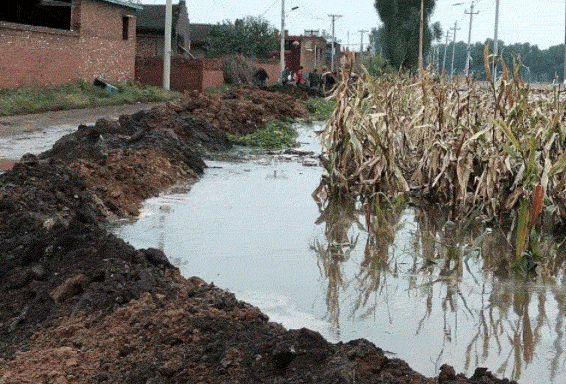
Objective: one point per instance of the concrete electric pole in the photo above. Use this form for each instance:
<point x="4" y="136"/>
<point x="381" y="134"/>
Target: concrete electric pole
<point x="421" y="37"/>
<point x="445" y="47"/>
<point x="362" y="31"/>
<point x="495" y="41"/>
<point x="282" y="44"/>
<point x="468" y="55"/>
<point x="167" y="47"/>
<point x="333" y="17"/>
<point x="455" y="28"/>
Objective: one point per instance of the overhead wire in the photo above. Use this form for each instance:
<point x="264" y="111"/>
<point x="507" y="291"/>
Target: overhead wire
<point x="269" y="8"/>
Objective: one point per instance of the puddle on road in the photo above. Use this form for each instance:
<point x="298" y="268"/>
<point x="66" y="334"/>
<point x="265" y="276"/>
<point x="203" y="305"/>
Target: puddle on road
<point x="254" y="229"/>
<point x="14" y="147"/>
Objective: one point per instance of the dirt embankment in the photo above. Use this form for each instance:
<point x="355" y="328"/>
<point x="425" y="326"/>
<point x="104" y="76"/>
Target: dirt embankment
<point x="78" y="305"/>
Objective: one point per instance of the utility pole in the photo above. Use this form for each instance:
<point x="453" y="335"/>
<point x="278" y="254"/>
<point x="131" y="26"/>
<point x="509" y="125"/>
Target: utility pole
<point x="455" y="28"/>
<point x="333" y="17"/>
<point x="468" y="55"/>
<point x="421" y="34"/>
<point x="495" y="41"/>
<point x="564" y="79"/>
<point x="167" y="47"/>
<point x="282" y="43"/>
<point x="362" y="31"/>
<point x="445" y="47"/>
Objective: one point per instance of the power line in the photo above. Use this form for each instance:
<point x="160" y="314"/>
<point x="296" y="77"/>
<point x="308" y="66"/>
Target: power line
<point x="269" y="8"/>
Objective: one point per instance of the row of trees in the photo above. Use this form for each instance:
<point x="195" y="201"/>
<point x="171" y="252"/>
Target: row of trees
<point x="535" y="65"/>
<point x="397" y="41"/>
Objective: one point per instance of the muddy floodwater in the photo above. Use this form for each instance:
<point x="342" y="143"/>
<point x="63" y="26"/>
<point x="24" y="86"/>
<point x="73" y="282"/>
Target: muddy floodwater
<point x="418" y="290"/>
<point x="423" y="295"/>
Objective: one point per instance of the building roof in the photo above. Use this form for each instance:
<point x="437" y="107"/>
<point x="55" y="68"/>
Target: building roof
<point x="200" y="32"/>
<point x="152" y="17"/>
<point x="125" y="3"/>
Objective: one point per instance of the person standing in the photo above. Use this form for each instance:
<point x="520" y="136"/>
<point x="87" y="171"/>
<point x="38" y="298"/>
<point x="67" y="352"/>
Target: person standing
<point x="314" y="79"/>
<point x="299" y="77"/>
<point x="285" y="76"/>
<point x="261" y="76"/>
<point x="329" y="80"/>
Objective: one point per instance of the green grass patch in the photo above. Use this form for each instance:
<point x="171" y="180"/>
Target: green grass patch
<point x="276" y="135"/>
<point x="320" y="108"/>
<point x="77" y="95"/>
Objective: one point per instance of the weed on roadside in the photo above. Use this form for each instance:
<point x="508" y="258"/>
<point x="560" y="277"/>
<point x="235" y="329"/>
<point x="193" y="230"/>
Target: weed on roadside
<point x="276" y="135"/>
<point x="76" y="95"/>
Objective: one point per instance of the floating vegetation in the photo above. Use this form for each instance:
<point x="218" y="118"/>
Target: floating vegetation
<point x="319" y="108"/>
<point x="488" y="150"/>
<point x="276" y="135"/>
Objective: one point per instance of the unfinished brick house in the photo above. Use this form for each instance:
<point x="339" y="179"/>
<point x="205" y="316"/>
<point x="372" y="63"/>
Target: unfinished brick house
<point x="188" y="71"/>
<point x="150" y="30"/>
<point x="53" y="42"/>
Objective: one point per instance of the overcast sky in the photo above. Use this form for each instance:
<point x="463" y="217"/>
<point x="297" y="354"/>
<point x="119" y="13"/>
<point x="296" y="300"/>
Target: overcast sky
<point x="539" y="22"/>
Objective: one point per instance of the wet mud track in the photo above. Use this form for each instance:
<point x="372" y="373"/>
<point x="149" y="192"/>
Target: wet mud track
<point x="79" y="305"/>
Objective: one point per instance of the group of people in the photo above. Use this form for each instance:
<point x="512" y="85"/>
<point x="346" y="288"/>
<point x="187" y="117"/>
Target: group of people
<point x="325" y="81"/>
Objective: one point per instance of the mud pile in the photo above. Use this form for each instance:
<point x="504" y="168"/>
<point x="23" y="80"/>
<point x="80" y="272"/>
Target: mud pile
<point x="243" y="110"/>
<point x="79" y="305"/>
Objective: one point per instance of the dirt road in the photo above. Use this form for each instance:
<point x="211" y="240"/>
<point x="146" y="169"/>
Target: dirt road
<point x="20" y="125"/>
<point x="15" y="125"/>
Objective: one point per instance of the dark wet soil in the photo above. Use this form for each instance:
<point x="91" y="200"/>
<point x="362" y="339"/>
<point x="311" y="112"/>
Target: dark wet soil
<point x="79" y="305"/>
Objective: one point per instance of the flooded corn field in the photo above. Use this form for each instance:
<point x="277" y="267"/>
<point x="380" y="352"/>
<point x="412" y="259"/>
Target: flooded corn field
<point x="421" y="287"/>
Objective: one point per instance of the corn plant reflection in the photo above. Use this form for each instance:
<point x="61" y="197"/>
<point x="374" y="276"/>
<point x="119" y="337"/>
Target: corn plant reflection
<point x="461" y="278"/>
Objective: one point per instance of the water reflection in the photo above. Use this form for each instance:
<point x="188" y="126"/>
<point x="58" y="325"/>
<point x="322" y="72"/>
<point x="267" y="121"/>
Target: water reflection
<point x="337" y="217"/>
<point x="409" y="280"/>
<point x="464" y="276"/>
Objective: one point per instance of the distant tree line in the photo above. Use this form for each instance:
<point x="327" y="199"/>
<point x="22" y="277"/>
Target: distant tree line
<point x="535" y="65"/>
<point x="250" y="36"/>
<point x="396" y="42"/>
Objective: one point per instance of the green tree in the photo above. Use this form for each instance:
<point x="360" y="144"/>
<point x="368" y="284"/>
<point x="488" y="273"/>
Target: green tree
<point x="401" y="30"/>
<point x="376" y="39"/>
<point x="250" y="36"/>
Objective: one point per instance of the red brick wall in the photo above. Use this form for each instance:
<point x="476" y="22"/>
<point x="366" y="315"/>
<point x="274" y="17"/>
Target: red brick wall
<point x="149" y="45"/>
<point x="186" y="74"/>
<point x="212" y="78"/>
<point x="38" y="56"/>
<point x="273" y="70"/>
<point x="212" y="75"/>
<point x="192" y="74"/>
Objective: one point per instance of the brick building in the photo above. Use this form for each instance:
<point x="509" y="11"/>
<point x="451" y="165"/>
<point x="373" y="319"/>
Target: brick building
<point x="150" y="30"/>
<point x="309" y="51"/>
<point x="53" y="42"/>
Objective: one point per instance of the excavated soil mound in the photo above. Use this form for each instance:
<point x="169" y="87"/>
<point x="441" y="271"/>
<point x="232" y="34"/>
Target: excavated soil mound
<point x="79" y="305"/>
<point x="300" y="92"/>
<point x="243" y="110"/>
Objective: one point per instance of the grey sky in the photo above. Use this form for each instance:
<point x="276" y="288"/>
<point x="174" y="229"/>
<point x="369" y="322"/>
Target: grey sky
<point x="539" y="22"/>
